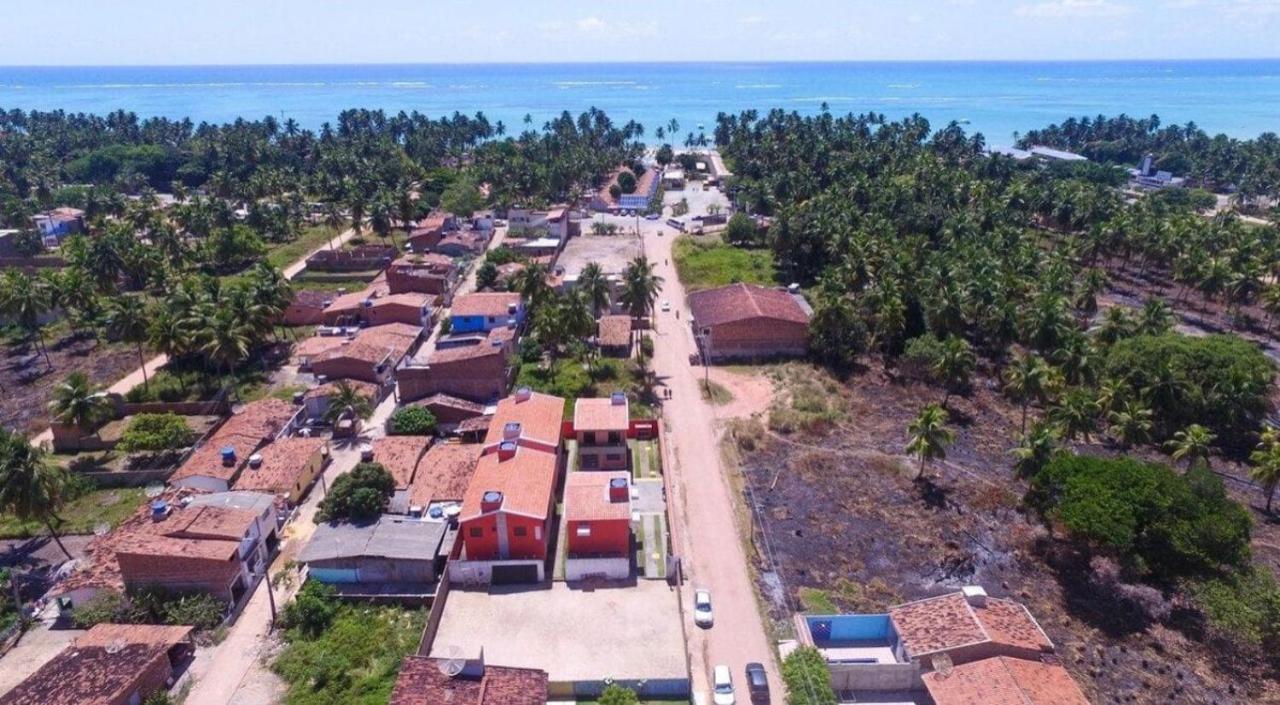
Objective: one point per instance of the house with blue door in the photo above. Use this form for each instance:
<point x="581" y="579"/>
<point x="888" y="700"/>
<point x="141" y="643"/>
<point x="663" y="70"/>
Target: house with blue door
<point x="483" y="312"/>
<point x="399" y="554"/>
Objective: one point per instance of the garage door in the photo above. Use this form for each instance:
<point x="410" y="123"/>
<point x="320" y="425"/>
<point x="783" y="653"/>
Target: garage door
<point x="510" y="574"/>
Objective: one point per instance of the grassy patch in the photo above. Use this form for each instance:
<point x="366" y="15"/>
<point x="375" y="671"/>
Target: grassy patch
<point x="708" y="262"/>
<point x="715" y="393"/>
<point x="311" y="238"/>
<point x="646" y="460"/>
<point x="813" y="404"/>
<point x="816" y="601"/>
<point x="570" y="379"/>
<point x="333" y="281"/>
<point x="355" y="660"/>
<point x="82" y="514"/>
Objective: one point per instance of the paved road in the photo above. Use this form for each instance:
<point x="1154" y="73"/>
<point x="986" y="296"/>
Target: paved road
<point x="703" y="500"/>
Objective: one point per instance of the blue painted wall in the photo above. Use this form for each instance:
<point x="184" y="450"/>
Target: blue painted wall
<point x="851" y="627"/>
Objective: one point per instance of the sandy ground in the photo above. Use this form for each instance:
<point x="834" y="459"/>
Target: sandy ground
<point x="699" y="490"/>
<point x="752" y="393"/>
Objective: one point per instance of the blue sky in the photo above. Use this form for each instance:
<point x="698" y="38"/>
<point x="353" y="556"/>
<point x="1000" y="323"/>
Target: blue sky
<point x="74" y="32"/>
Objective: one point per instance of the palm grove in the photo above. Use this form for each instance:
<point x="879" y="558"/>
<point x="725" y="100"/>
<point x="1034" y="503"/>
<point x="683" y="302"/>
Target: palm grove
<point x="943" y="263"/>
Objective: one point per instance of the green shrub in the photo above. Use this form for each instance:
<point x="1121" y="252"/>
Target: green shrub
<point x="1154" y="520"/>
<point x="646" y="346"/>
<point x="163" y="386"/>
<point x="615" y="694"/>
<point x="155" y="433"/>
<point x="808" y="681"/>
<point x="1221" y="382"/>
<point x="151" y="606"/>
<point x="627" y="181"/>
<point x="103" y="608"/>
<point x="1244" y="607"/>
<point x="919" y="361"/>
<point x="837" y="335"/>
<point x="358" y="495"/>
<point x="313" y="610"/>
<point x="412" y="421"/>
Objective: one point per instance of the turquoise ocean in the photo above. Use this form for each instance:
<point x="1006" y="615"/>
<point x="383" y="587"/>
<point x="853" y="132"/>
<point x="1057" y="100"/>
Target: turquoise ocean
<point x="1240" y="98"/>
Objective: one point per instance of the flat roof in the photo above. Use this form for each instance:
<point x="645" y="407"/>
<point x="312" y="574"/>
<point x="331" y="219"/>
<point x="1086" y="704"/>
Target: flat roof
<point x="389" y="537"/>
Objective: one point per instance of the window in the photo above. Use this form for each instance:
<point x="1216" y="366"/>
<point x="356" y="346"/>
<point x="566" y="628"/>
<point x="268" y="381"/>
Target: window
<point x="613" y="458"/>
<point x="615" y="437"/>
<point x="520" y="531"/>
<point x="583" y="530"/>
<point x="590" y="461"/>
<point x="476" y="532"/>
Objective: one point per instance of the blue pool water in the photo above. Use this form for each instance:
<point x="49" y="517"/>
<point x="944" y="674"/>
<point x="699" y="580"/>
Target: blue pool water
<point x="1240" y="98"/>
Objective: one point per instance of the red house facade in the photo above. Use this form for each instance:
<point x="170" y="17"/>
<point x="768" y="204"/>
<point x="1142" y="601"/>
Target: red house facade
<point x="597" y="511"/>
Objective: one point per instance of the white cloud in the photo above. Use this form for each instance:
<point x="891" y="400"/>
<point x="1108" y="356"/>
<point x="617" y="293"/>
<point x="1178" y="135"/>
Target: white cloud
<point x="752" y="20"/>
<point x="592" y="24"/>
<point x="1073" y="8"/>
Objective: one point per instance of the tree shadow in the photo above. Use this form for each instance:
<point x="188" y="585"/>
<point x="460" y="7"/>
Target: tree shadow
<point x="934" y="496"/>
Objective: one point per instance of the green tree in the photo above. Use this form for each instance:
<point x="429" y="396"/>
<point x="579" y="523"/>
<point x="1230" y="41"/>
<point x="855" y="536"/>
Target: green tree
<point x="313" y="608"/>
<point x="128" y="320"/>
<point x="462" y="197"/>
<point x="615" y="694"/>
<point x="1036" y="448"/>
<point x="928" y="436"/>
<point x="955" y="366"/>
<point x="26" y="300"/>
<point x="31" y="487"/>
<point x="594" y="287"/>
<point x="1266" y="464"/>
<point x="1076" y="413"/>
<point x="1130" y="424"/>
<point x="1192" y="444"/>
<point x="412" y="421"/>
<point x="77" y="402"/>
<point x="626" y="181"/>
<point x="837" y="335"/>
<point x="155" y="433"/>
<point x="741" y="230"/>
<point x="640" y="287"/>
<point x="808" y="680"/>
<point x="1029" y="379"/>
<point x="358" y="495"/>
<point x="486" y="276"/>
<point x="347" y="401"/>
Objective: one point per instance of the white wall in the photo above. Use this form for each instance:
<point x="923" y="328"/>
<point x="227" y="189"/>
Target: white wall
<point x="611" y="568"/>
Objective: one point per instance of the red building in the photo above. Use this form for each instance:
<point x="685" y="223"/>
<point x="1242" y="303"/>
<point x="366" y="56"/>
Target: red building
<point x="597" y="509"/>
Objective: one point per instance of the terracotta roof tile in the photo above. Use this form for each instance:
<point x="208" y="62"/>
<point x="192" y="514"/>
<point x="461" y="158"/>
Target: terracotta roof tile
<point x="527" y="481"/>
<point x="484" y="304"/>
<point x="373" y="345"/>
<point x="744" y="302"/>
<point x="1004" y="681"/>
<point x="586" y="497"/>
<point x="283" y="464"/>
<point x="444" y="473"/>
<point x="328" y="389"/>
<point x="541" y="418"/>
<point x="614" y="331"/>
<point x="949" y="621"/>
<point x="108" y="634"/>
<point x="92" y="675"/>
<point x="400" y="456"/>
<point x="601" y="415"/>
<point x="422" y="683"/>
<point x="317" y="345"/>
<point x="257" y="422"/>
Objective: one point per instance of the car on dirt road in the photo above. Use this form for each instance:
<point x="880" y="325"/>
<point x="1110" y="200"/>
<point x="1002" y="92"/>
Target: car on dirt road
<point x="666" y="306"/>
<point x="721" y="686"/>
<point x="757" y="683"/>
<point x="702" y="615"/>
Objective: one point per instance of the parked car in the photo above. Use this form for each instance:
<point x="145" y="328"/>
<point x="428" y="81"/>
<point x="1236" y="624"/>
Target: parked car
<point x="722" y="686"/>
<point x="653" y="216"/>
<point x="702" y="615"/>
<point x="666" y="305"/>
<point x="757" y="682"/>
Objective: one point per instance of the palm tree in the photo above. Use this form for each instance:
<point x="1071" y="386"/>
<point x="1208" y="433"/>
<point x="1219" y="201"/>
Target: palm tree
<point x="1036" y="448"/>
<point x="128" y="321"/>
<point x="1266" y="464"/>
<point x="1155" y="318"/>
<point x="1076" y="414"/>
<point x="1029" y="379"/>
<point x="25" y="300"/>
<point x="955" y="366"/>
<point x="532" y="285"/>
<point x="77" y="403"/>
<point x="31" y="487"/>
<point x="1192" y="444"/>
<point x="347" y="400"/>
<point x="226" y="340"/>
<point x="594" y="286"/>
<point x="928" y="435"/>
<point x="1130" y="424"/>
<point x="640" y="287"/>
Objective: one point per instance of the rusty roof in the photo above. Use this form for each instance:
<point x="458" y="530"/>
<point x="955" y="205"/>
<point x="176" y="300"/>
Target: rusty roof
<point x="444" y="473"/>
<point x="89" y="675"/>
<point x="485" y="304"/>
<point x="596" y="414"/>
<point x="745" y="302"/>
<point x="541" y="418"/>
<point x="421" y="682"/>
<point x="283" y="464"/>
<point x="1004" y="680"/>
<point x="614" y="331"/>
<point x="949" y="622"/>
<point x="373" y="345"/>
<point x="257" y="422"/>
<point x="586" y="497"/>
<point x="400" y="456"/>
<point x="108" y="634"/>
<point x="527" y="481"/>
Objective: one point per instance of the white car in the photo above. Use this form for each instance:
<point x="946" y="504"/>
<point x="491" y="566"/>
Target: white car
<point x="702" y="615"/>
<point x="721" y="686"/>
<point x="666" y="306"/>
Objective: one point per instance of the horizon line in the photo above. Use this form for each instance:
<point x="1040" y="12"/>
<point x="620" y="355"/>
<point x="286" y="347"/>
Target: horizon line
<point x="628" y="62"/>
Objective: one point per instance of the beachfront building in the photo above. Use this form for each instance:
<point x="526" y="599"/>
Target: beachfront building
<point x="646" y="186"/>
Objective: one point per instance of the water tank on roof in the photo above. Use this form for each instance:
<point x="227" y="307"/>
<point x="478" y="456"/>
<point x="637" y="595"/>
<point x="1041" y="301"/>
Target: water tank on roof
<point x="159" y="509"/>
<point x="228" y="454"/>
<point x="255" y="461"/>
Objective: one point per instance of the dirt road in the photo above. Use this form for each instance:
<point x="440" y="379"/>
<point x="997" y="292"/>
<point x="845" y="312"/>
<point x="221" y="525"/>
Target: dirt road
<point x="703" y="500"/>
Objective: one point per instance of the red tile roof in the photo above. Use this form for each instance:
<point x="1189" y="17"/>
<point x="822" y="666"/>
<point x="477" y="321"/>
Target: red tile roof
<point x="354" y="300"/>
<point x="317" y="345"/>
<point x="400" y="456"/>
<point x="601" y="415"/>
<point x="283" y="463"/>
<point x="432" y="261"/>
<point x="541" y="418"/>
<point x="108" y="634"/>
<point x="446" y="401"/>
<point x="485" y="304"/>
<point x="422" y="683"/>
<point x="614" y="331"/>
<point x="744" y="302"/>
<point x="374" y="345"/>
<point x="586" y="497"/>
<point x="527" y="481"/>
<point x="1004" y="681"/>
<point x="949" y="622"/>
<point x="311" y="298"/>
<point x="257" y="422"/>
<point x="444" y="473"/>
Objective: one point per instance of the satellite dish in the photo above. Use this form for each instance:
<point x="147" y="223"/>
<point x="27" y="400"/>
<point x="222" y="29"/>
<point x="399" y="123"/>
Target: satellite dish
<point x="115" y="646"/>
<point x="101" y="529"/>
<point x="154" y="490"/>
<point x="942" y="664"/>
<point x="453" y="662"/>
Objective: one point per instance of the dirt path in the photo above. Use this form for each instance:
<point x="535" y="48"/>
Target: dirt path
<point x="702" y="501"/>
<point x="752" y="393"/>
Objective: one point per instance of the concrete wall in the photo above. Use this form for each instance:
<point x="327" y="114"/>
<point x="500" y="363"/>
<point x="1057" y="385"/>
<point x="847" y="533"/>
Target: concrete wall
<point x="876" y="676"/>
<point x="583" y="568"/>
<point x="481" y="572"/>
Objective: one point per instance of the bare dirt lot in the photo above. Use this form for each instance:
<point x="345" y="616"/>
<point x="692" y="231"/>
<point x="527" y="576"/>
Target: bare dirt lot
<point x="842" y="524"/>
<point x="25" y="389"/>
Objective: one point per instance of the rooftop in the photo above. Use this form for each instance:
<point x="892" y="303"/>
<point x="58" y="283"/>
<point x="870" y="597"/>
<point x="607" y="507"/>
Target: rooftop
<point x="601" y="415"/>
<point x="485" y="304"/>
<point x="256" y="502"/>
<point x="614" y="331"/>
<point x="527" y="481"/>
<point x="421" y="682"/>
<point x="743" y="302"/>
<point x="328" y="389"/>
<point x="444" y="473"/>
<point x="586" y="497"/>
<point x="495" y="342"/>
<point x="951" y="621"/>
<point x="374" y="345"/>
<point x="400" y="456"/>
<point x="539" y="415"/>
<point x="283" y="464"/>
<point x="257" y="422"/>
<point x="1004" y="681"/>
<point x="389" y="537"/>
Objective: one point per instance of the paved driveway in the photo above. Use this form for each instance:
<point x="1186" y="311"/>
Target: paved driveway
<point x="630" y="632"/>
